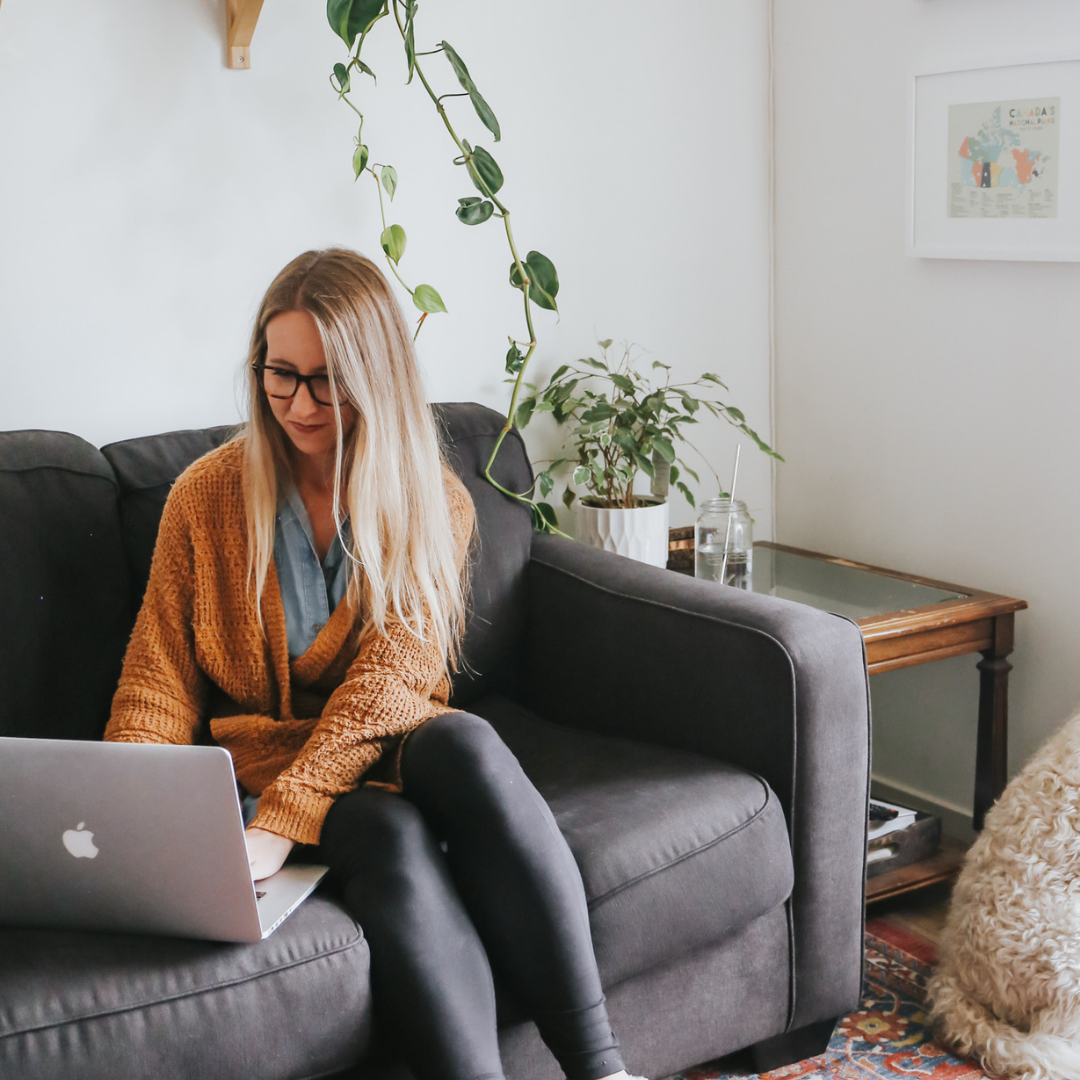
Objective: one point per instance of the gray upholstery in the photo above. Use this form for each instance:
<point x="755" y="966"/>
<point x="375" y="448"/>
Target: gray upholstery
<point x="712" y="786"/>
<point x="771" y="686"/>
<point x="654" y="831"/>
<point x="81" y="1006"/>
<point x="63" y="586"/>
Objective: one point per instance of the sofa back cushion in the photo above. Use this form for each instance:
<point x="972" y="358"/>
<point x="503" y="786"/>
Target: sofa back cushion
<point x="146" y="468"/>
<point x="64" y="587"/>
<point x="494" y="636"/>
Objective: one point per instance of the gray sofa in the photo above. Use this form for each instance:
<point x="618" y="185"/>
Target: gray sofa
<point x="705" y="751"/>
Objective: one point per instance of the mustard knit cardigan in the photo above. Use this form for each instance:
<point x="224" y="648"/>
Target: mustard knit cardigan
<point x="301" y="732"/>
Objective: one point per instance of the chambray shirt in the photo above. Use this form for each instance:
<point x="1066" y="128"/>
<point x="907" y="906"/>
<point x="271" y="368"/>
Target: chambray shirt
<point x="309" y="591"/>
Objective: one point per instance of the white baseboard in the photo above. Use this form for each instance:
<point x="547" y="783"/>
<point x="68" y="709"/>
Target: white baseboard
<point x="955" y="820"/>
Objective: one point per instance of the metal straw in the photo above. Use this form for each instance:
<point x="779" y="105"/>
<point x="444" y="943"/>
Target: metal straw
<point x="731" y="512"/>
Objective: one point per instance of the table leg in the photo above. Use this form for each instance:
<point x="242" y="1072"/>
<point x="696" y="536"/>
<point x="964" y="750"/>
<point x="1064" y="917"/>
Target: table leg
<point x="991" y="758"/>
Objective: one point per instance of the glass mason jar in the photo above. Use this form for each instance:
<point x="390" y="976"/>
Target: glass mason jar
<point x="721" y="520"/>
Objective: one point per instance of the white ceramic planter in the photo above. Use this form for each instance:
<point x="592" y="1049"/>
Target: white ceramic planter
<point x="641" y="533"/>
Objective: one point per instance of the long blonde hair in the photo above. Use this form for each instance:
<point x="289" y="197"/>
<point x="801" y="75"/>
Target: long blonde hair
<point x="390" y="467"/>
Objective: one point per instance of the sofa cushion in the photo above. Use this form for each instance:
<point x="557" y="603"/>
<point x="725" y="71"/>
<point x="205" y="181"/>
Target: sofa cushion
<point x="676" y="850"/>
<point x="63" y="580"/>
<point x="101" y="1006"/>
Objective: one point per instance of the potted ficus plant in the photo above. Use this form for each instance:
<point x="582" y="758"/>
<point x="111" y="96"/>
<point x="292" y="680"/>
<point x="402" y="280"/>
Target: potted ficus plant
<point x="624" y="424"/>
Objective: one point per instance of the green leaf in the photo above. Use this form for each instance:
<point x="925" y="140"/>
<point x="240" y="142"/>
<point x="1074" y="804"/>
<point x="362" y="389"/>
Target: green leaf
<point x="388" y="176"/>
<point x="341" y="73"/>
<point x="483" y="110"/>
<point x="524" y="412"/>
<point x="622" y="382"/>
<point x="605" y="344"/>
<point x="644" y="464"/>
<point x="348" y="18"/>
<point x="359" y="160"/>
<point x="544" y="517"/>
<point x="598" y="364"/>
<point x="690" y="403"/>
<point x="600" y="411"/>
<point x="545" y="406"/>
<point x="427" y="300"/>
<point x="673" y="476"/>
<point x="514" y="360"/>
<point x="545" y="482"/>
<point x="708" y="377"/>
<point x="657" y="364"/>
<point x="474" y="211"/>
<point x="484" y="171"/>
<point x="667" y="451"/>
<point x="365" y="69"/>
<point x="582" y="474"/>
<point x="568" y="496"/>
<point x="737" y="413"/>
<point x="543" y="280"/>
<point x="687" y="492"/>
<point x="393" y="243"/>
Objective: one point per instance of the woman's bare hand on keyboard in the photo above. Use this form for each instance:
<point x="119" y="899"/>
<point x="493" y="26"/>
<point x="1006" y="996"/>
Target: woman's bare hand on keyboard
<point x="266" y="852"/>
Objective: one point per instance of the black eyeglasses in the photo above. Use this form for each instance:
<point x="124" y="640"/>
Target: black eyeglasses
<point x="283" y="383"/>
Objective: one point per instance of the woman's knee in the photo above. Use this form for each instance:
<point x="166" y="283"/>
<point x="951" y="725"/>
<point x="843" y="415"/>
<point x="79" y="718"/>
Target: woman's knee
<point x="461" y="751"/>
<point x="367" y="831"/>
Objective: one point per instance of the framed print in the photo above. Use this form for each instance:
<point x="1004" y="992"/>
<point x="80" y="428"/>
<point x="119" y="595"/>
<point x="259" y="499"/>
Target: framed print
<point x="995" y="165"/>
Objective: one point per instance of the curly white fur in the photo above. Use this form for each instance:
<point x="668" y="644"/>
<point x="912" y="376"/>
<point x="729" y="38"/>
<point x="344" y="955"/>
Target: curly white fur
<point x="1007" y="991"/>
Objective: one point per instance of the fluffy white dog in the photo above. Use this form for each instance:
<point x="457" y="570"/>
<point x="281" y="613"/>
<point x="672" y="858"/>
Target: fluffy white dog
<point x="1007" y="991"/>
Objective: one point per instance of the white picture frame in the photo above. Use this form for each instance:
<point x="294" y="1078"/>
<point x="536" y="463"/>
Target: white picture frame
<point x="957" y="210"/>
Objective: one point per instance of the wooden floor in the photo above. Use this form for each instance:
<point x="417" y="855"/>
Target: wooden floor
<point x="921" y="913"/>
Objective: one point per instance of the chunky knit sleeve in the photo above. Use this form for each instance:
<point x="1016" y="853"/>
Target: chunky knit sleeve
<point x="394" y="684"/>
<point x="162" y="689"/>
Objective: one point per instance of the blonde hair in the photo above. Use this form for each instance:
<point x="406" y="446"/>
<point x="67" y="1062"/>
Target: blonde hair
<point x="389" y="467"/>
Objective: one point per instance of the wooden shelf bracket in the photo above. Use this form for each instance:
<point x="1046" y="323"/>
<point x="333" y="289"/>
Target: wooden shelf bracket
<point x="240" y="19"/>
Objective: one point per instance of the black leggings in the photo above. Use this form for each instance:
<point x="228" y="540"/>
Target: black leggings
<point x="469" y="866"/>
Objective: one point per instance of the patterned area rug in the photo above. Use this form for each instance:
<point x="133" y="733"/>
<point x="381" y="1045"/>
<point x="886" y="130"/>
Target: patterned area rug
<point x="886" y="1039"/>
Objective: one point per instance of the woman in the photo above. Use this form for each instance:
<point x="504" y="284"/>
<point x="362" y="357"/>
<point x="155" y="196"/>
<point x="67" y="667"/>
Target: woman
<point x="307" y="598"/>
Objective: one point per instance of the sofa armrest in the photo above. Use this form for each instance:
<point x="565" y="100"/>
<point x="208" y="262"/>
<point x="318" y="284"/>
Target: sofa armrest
<point x="778" y="688"/>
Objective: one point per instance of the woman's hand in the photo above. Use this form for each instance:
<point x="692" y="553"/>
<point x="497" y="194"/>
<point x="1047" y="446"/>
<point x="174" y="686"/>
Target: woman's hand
<point x="267" y="852"/>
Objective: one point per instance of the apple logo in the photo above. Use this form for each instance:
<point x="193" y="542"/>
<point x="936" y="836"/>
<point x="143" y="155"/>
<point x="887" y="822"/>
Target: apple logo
<point x="79" y="843"/>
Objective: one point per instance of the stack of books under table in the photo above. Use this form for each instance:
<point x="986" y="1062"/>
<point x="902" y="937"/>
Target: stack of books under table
<point x="899" y="836"/>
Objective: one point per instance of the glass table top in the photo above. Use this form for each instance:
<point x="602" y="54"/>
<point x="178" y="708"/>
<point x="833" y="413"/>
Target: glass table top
<point x="845" y="590"/>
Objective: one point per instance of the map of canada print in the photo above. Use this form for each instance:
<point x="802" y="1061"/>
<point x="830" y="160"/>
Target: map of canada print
<point x="1004" y="159"/>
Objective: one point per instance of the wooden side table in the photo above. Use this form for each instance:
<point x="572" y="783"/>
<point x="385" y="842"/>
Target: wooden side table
<point x="905" y="620"/>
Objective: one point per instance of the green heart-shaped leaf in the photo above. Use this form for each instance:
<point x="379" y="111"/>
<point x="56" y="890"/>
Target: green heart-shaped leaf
<point x="474" y="212"/>
<point x="484" y="172"/>
<point x="359" y="160"/>
<point x="348" y="18"/>
<point x="427" y="300"/>
<point x="388" y="174"/>
<point x="543" y="280"/>
<point x="393" y="242"/>
<point x="341" y="73"/>
<point x="483" y="109"/>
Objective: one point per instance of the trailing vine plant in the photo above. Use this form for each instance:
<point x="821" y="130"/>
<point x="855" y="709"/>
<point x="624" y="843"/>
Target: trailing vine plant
<point x="534" y="275"/>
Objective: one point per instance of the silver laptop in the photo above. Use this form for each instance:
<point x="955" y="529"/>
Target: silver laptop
<point x="137" y="838"/>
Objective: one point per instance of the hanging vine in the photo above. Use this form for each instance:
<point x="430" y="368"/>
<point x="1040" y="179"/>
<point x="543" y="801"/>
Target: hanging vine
<point x="534" y="275"/>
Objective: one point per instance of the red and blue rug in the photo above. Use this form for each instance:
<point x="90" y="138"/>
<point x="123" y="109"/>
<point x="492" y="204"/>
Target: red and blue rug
<point x="888" y="1038"/>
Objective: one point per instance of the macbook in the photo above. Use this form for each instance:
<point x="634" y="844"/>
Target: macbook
<point x="135" y="838"/>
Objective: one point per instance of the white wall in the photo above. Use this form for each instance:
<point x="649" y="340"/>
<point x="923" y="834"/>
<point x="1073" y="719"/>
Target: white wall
<point x="148" y="195"/>
<point x="928" y="409"/>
